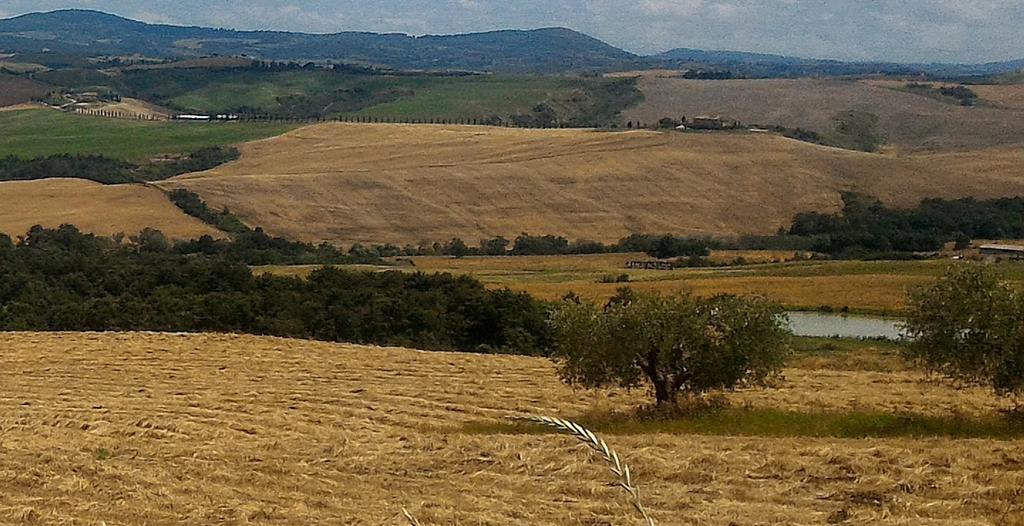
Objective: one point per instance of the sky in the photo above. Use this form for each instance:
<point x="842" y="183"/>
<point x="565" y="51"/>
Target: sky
<point x="886" y="30"/>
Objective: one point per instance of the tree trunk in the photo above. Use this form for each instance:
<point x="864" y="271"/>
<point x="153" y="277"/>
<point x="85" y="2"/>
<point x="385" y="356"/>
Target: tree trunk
<point x="663" y="393"/>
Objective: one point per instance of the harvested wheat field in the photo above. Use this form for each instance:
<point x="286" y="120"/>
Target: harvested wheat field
<point x="122" y="429"/>
<point x="93" y="207"/>
<point x="346" y="183"/>
<point x="1005" y="95"/>
<point x="908" y="121"/>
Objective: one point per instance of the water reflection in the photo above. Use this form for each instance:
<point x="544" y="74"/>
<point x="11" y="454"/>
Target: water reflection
<point x="825" y="325"/>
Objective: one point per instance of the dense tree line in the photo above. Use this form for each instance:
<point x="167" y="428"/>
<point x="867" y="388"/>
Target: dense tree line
<point x="61" y="279"/>
<point x="197" y="161"/>
<point x="660" y="246"/>
<point x="865" y="226"/>
<point x="961" y="94"/>
<point x="111" y="171"/>
<point x="190" y="203"/>
<point x="92" y="167"/>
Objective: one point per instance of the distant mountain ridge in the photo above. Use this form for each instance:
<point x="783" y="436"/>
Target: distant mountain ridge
<point x="547" y="50"/>
<point x="93" y="32"/>
<point x="782" y="65"/>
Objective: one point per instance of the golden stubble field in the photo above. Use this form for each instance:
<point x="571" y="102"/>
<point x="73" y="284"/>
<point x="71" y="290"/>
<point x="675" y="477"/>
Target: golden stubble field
<point x="136" y="428"/>
<point x="377" y="183"/>
<point x="874" y="287"/>
<point x="93" y="207"/>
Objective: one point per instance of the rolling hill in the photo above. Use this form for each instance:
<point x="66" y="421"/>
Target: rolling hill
<point x="907" y="121"/>
<point x="95" y="33"/>
<point x="93" y="207"/>
<point x="347" y="183"/>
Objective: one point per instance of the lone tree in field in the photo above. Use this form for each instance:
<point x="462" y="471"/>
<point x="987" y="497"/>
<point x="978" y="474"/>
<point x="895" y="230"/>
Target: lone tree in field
<point x="675" y="344"/>
<point x="969" y="326"/>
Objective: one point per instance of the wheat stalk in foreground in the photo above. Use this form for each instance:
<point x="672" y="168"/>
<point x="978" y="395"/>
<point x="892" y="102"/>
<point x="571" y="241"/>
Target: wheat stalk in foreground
<point x="599" y="446"/>
<point x="412" y="520"/>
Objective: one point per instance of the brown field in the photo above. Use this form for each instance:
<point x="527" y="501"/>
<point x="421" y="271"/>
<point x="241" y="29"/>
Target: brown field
<point x="1010" y="96"/>
<point x="346" y="183"/>
<point x="867" y="287"/>
<point x="92" y="207"/>
<point x="1005" y="95"/>
<point x="867" y="293"/>
<point x="124" y="429"/>
<point x="22" y="107"/>
<point x="17" y="90"/>
<point x="910" y="122"/>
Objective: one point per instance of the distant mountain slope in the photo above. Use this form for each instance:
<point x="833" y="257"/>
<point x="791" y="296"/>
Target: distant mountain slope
<point x="549" y="50"/>
<point x="93" y="32"/>
<point x="768" y="65"/>
<point x="771" y="66"/>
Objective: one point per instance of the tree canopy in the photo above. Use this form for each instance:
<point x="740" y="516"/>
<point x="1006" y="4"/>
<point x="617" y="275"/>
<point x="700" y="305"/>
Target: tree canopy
<point x="673" y="344"/>
<point x="969" y="326"/>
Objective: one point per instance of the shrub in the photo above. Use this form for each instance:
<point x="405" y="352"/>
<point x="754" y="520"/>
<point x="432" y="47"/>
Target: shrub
<point x="969" y="326"/>
<point x="673" y="344"/>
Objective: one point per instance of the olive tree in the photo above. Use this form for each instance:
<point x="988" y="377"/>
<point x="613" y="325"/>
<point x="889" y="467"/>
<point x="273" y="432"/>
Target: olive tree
<point x="969" y="326"/>
<point x="673" y="344"/>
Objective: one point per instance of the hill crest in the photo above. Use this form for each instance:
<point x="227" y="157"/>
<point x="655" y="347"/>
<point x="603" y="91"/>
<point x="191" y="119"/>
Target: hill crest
<point x="553" y="49"/>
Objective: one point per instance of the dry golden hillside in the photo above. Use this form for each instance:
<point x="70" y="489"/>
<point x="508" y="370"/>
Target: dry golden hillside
<point x="908" y="121"/>
<point x="93" y="207"/>
<point x="218" y="429"/>
<point x="1005" y="95"/>
<point x="347" y="183"/>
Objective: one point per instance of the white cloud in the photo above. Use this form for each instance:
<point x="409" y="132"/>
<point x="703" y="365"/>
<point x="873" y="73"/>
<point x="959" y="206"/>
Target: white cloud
<point x="672" y="7"/>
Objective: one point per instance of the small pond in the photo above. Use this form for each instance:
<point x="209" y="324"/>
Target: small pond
<point x="827" y="325"/>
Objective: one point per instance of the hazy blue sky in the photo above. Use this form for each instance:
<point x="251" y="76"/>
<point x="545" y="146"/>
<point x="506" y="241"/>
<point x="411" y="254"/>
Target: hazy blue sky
<point x="900" y="30"/>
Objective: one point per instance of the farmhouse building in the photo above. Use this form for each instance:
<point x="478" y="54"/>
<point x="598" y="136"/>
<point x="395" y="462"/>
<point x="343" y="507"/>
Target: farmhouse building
<point x="707" y="123"/>
<point x="190" y="117"/>
<point x="1002" y="252"/>
<point x="651" y="264"/>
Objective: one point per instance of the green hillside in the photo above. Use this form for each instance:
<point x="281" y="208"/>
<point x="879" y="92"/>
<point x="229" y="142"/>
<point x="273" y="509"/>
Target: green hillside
<point x="36" y="133"/>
